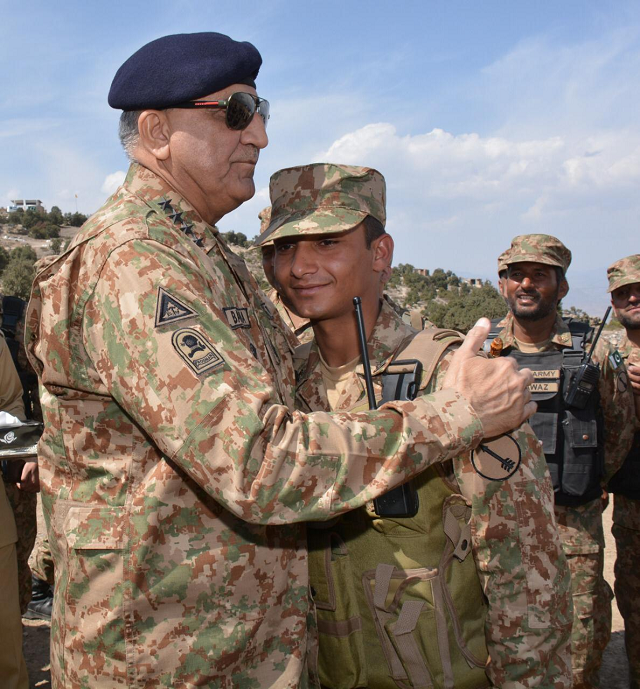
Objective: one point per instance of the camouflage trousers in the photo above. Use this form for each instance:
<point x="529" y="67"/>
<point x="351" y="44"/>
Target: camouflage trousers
<point x="627" y="584"/>
<point x="24" y="511"/>
<point x="583" y="541"/>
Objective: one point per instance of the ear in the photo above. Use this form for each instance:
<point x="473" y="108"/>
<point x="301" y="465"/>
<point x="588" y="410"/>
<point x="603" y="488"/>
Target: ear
<point x="155" y="133"/>
<point x="563" y="289"/>
<point x="382" y="248"/>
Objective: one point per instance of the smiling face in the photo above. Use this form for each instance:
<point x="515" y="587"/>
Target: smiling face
<point x="626" y="304"/>
<point x="213" y="165"/>
<point x="532" y="290"/>
<point x="320" y="274"/>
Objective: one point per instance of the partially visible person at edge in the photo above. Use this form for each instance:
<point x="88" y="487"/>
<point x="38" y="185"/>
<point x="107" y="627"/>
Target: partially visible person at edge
<point x="330" y="245"/>
<point x="176" y="476"/>
<point x="13" y="670"/>
<point x="583" y="446"/>
<point x="624" y="285"/>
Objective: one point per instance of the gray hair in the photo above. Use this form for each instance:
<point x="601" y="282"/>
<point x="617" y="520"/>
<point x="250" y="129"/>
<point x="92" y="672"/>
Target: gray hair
<point x="128" y="132"/>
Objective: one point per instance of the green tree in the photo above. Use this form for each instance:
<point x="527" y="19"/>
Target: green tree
<point x="56" y="245"/>
<point x="23" y="252"/>
<point x="17" y="278"/>
<point x="463" y="310"/>
<point x="4" y="258"/>
<point x="55" y="216"/>
<point x="236" y="238"/>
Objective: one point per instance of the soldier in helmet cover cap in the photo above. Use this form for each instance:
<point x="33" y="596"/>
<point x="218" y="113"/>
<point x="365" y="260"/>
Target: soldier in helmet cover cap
<point x="176" y="476"/>
<point x="583" y="446"/>
<point x="624" y="286"/>
<point x="331" y="245"/>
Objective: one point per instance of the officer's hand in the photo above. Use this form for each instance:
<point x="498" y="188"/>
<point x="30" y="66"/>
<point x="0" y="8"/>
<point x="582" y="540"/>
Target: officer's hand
<point x="30" y="479"/>
<point x="496" y="390"/>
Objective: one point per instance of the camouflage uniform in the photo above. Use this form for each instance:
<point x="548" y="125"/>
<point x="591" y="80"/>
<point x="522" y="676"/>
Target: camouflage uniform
<point x="176" y="480"/>
<point x="13" y="670"/>
<point x="22" y="503"/>
<point x="519" y="557"/>
<point x="581" y="527"/>
<point x="626" y="510"/>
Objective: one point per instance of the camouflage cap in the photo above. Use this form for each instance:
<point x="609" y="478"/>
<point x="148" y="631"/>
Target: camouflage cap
<point x="323" y="198"/>
<point x="538" y="248"/>
<point x="626" y="271"/>
<point x="502" y="261"/>
<point x="264" y="216"/>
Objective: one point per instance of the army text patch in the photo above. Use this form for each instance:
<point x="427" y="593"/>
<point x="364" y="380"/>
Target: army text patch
<point x="237" y="317"/>
<point x="170" y="309"/>
<point x="497" y="460"/>
<point x="196" y="350"/>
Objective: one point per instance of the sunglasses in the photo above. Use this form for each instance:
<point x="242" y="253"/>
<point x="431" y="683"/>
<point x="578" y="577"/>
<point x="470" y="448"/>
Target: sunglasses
<point x="240" y="108"/>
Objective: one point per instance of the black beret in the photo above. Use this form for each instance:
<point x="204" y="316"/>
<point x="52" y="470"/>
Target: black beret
<point x="182" y="67"/>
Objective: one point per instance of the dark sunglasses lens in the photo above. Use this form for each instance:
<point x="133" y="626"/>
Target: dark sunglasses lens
<point x="263" y="111"/>
<point x="240" y="110"/>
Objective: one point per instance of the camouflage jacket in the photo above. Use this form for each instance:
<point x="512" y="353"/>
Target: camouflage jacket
<point x="175" y="475"/>
<point x="626" y="511"/>
<point x="516" y="546"/>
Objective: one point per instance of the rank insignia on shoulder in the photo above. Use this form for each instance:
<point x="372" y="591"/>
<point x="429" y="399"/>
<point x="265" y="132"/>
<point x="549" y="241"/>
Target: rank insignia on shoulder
<point x="615" y="359"/>
<point x="237" y="317"/>
<point x="196" y="350"/>
<point x="170" y="309"/>
<point x="497" y="460"/>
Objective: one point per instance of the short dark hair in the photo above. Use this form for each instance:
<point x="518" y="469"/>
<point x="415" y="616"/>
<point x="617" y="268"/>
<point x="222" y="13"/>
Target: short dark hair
<point x="373" y="229"/>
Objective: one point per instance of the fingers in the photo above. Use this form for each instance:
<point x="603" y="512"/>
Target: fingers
<point x="530" y="409"/>
<point x="474" y="339"/>
<point x="527" y="375"/>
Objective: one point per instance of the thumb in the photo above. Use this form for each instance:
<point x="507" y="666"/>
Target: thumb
<point x="475" y="339"/>
<point x="467" y="350"/>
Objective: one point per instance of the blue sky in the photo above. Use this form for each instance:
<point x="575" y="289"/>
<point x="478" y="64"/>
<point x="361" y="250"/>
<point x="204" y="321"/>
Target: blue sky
<point x="488" y="119"/>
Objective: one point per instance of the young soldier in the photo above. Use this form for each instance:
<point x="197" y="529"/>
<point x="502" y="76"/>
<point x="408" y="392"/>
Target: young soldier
<point x="624" y="285"/>
<point x="583" y="444"/>
<point x="399" y="602"/>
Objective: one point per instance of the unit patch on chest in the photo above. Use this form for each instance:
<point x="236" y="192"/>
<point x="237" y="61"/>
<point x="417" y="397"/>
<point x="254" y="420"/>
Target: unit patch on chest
<point x="196" y="350"/>
<point x="170" y="309"/>
<point x="237" y="317"/>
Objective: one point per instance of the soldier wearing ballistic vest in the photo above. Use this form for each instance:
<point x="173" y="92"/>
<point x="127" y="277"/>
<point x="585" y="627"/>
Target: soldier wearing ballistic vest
<point x="582" y="445"/>
<point x="473" y="568"/>
<point x="624" y="285"/>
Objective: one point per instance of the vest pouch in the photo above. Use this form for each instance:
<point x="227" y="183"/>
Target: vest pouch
<point x="627" y="481"/>
<point x="341" y="657"/>
<point x="408" y="610"/>
<point x="582" y="468"/>
<point x="545" y="426"/>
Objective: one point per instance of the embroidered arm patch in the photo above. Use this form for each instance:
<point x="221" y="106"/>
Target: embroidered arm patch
<point x="170" y="309"/>
<point x="196" y="350"/>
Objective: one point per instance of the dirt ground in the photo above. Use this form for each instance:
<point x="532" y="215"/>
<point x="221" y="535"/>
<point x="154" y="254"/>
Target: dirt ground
<point x="614" y="673"/>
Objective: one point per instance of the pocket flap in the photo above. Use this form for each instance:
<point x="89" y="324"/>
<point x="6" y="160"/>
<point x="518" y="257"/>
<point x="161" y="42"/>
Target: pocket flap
<point x="96" y="528"/>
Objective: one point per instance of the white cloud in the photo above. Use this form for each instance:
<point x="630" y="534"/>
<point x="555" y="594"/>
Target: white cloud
<point x="113" y="181"/>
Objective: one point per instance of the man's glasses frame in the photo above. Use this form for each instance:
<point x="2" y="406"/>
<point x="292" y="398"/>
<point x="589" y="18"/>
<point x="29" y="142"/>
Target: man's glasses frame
<point x="240" y="108"/>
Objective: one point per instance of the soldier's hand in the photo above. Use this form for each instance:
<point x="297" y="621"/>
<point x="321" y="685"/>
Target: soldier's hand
<point x="634" y="376"/>
<point x="30" y="479"/>
<point x="498" y="392"/>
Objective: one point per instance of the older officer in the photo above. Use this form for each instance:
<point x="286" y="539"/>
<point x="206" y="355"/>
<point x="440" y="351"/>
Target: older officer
<point x="624" y="285"/>
<point x="583" y="444"/>
<point x="175" y="475"/>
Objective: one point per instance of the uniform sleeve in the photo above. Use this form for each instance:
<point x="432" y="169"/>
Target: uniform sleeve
<point x="523" y="569"/>
<point x="194" y="387"/>
<point x="616" y="395"/>
<point x="10" y="387"/>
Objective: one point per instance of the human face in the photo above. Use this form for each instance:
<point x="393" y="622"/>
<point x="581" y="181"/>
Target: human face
<point x="532" y="290"/>
<point x="268" y="254"/>
<point x="213" y="165"/>
<point x="626" y="304"/>
<point x="320" y="274"/>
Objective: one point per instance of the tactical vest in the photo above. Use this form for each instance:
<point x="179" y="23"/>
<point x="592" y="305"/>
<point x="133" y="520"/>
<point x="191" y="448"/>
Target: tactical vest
<point x="572" y="439"/>
<point x="399" y="601"/>
<point x="627" y="481"/>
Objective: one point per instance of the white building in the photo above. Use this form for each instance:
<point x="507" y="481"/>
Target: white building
<point x="25" y="205"/>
